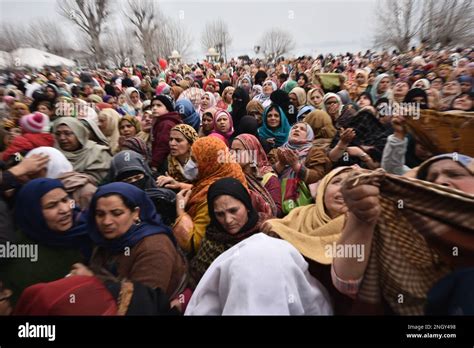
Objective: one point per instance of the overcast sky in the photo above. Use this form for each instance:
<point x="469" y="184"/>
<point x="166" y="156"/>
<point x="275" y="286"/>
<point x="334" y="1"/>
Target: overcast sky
<point x="318" y="26"/>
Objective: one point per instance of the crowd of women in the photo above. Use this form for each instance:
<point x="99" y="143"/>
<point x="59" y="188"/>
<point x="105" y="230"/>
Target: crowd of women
<point x="239" y="188"/>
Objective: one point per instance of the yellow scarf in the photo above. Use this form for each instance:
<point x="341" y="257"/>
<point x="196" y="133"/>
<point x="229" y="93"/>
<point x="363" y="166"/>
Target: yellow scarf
<point x="309" y="229"/>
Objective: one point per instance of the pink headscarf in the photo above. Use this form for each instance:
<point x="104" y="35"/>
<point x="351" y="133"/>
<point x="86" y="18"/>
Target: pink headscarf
<point x="217" y="115"/>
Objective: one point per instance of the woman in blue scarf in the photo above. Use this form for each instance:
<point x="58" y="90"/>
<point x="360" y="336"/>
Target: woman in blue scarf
<point x="54" y="232"/>
<point x="275" y="127"/>
<point x="132" y="241"/>
<point x="186" y="109"/>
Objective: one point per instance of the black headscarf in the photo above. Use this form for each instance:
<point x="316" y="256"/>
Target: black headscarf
<point x="231" y="187"/>
<point x="282" y="99"/>
<point x="240" y="99"/>
<point x="417" y="92"/>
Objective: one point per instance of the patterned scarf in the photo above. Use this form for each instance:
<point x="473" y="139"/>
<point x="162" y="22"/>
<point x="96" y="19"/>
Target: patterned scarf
<point x="413" y="242"/>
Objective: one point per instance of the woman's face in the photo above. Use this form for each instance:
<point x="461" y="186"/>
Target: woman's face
<point x="293" y="99"/>
<point x="418" y="84"/>
<point x="401" y="89"/>
<point x="333" y="199"/>
<point x="66" y="138"/>
<point x="273" y="119"/>
<point x="316" y="98"/>
<point x="239" y="149"/>
<point x="363" y="101"/>
<point x="146" y="121"/>
<point x="451" y="88"/>
<point x="437" y="84"/>
<point x="223" y="123"/>
<point x="134" y="97"/>
<point x="301" y="81"/>
<point x="205" y="102"/>
<point x="158" y="108"/>
<point x="50" y="93"/>
<point x="207" y="122"/>
<point x="298" y="132"/>
<point x="371" y="79"/>
<point x="231" y="213"/>
<point x="449" y="173"/>
<point x="332" y="106"/>
<point x="267" y="87"/>
<point x="45" y="110"/>
<point x="121" y="99"/>
<point x="102" y="123"/>
<point x="384" y="85"/>
<point x="179" y="145"/>
<point x="228" y="96"/>
<point x="360" y="79"/>
<point x="464" y="102"/>
<point x="113" y="217"/>
<point x="245" y="84"/>
<point x="127" y="129"/>
<point x="57" y="210"/>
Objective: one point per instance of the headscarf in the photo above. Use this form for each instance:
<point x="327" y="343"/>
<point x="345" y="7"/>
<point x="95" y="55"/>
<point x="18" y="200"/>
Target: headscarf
<point x="133" y="121"/>
<point x="245" y="272"/>
<point x="338" y="98"/>
<point x="373" y="91"/>
<point x="300" y="96"/>
<point x="263" y="98"/>
<point x="138" y="145"/>
<point x="214" y="162"/>
<point x="248" y="125"/>
<point x="188" y="114"/>
<point x="289" y="85"/>
<point x="132" y="108"/>
<point x="217" y="240"/>
<point x="309" y="228"/>
<point x="91" y="158"/>
<point x="425" y="82"/>
<point x="280" y="134"/>
<point x="30" y="218"/>
<point x="57" y="164"/>
<point x="240" y="99"/>
<point x="175" y="168"/>
<point x="231" y="187"/>
<point x="217" y="115"/>
<point x="97" y="134"/>
<point x="309" y="100"/>
<point x="260" y="166"/>
<point x="212" y="101"/>
<point x="112" y="130"/>
<point x="321" y="124"/>
<point x="251" y="143"/>
<point x="194" y="94"/>
<point x="253" y="106"/>
<point x="130" y="161"/>
<point x="150" y="221"/>
<point x="361" y="88"/>
<point x="301" y="147"/>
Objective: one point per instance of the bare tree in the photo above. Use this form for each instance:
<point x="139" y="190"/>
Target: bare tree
<point x="11" y="37"/>
<point x="90" y="16"/>
<point x="397" y="23"/>
<point x="146" y="19"/>
<point x="276" y="42"/>
<point x="46" y="34"/>
<point x="216" y="34"/>
<point x="447" y="23"/>
<point x="173" y="36"/>
<point x="121" y="52"/>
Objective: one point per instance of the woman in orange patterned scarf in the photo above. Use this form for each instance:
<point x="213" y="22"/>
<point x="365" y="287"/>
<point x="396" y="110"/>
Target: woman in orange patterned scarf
<point x="210" y="161"/>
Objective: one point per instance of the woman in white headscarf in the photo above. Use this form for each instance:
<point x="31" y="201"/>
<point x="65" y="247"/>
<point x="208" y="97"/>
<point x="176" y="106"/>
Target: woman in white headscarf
<point x="261" y="275"/>
<point x="133" y="103"/>
<point x="268" y="88"/>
